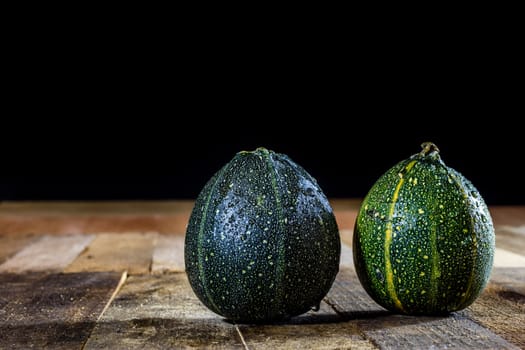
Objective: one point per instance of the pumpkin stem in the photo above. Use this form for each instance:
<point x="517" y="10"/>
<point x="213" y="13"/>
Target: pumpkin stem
<point x="428" y="148"/>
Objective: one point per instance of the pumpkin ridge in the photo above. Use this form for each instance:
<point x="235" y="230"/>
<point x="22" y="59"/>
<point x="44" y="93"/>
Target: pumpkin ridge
<point x="280" y="219"/>
<point x="435" y="271"/>
<point x="461" y="188"/>
<point x="388" y="238"/>
<point x="200" y="258"/>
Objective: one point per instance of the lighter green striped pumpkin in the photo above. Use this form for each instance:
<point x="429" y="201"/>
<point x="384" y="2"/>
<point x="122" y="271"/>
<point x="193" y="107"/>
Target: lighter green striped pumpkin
<point x="423" y="240"/>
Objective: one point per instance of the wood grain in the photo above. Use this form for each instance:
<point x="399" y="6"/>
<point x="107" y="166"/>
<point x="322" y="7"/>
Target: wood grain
<point x="323" y="329"/>
<point x="503" y="215"/>
<point x="346" y="219"/>
<point x="512" y="279"/>
<point x="131" y="252"/>
<point x="159" y="312"/>
<point x="71" y="217"/>
<point x="511" y="238"/>
<point x="505" y="258"/>
<point x="451" y="332"/>
<point x="346" y="236"/>
<point x="168" y="255"/>
<point x="388" y="331"/>
<point x="501" y="306"/>
<point x="347" y="257"/>
<point x="55" y="311"/>
<point x="12" y="284"/>
<point x="349" y="299"/>
<point x="11" y="244"/>
<point x="49" y="253"/>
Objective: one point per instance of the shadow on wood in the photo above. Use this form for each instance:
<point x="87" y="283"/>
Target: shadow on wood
<point x="56" y="335"/>
<point x="162" y="333"/>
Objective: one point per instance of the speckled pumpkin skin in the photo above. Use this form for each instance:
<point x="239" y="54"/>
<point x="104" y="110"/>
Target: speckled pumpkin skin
<point x="262" y="242"/>
<point x="423" y="240"/>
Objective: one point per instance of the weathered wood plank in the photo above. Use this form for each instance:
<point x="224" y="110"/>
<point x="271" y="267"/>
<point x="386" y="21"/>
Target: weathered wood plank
<point x="160" y="312"/>
<point x="130" y="252"/>
<point x="502" y="312"/>
<point x="346" y="218"/>
<point x="451" y="332"/>
<point x="511" y="279"/>
<point x="501" y="306"/>
<point x="391" y="331"/>
<point x="505" y="258"/>
<point x="323" y="329"/>
<point x="49" y="253"/>
<point x="12" y="284"/>
<point x="347" y="257"/>
<point x="55" y="311"/>
<point x="105" y="208"/>
<point x="508" y="215"/>
<point x="349" y="299"/>
<point x="168" y="255"/>
<point x="92" y="217"/>
<point x="346" y="236"/>
<point x="12" y="244"/>
<point x="511" y="238"/>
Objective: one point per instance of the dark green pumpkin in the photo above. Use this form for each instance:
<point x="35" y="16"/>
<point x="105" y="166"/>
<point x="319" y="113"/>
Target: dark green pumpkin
<point x="262" y="242"/>
<point x="423" y="240"/>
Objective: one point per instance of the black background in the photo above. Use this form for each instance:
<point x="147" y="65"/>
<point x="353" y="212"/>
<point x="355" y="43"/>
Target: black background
<point x="90" y="115"/>
<point x="144" y="160"/>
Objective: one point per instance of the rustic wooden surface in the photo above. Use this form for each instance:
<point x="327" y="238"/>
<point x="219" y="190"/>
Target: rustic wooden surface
<point x="168" y="254"/>
<point x="11" y="244"/>
<point x="49" y="253"/>
<point x="323" y="329"/>
<point x="130" y="252"/>
<point x="57" y="311"/>
<point x="501" y="307"/>
<point x="512" y="238"/>
<point x="160" y="312"/>
<point x="111" y="275"/>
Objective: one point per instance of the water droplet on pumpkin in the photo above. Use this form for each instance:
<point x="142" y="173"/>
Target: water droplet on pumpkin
<point x="379" y="275"/>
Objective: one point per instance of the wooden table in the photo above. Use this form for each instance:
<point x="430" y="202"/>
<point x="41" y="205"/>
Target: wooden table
<point x="111" y="275"/>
